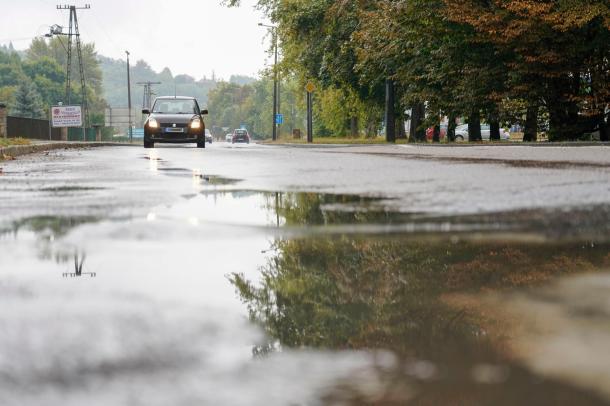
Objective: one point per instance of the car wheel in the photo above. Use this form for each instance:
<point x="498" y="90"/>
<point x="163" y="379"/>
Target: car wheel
<point x="201" y="145"/>
<point x="149" y="144"/>
<point x="459" y="138"/>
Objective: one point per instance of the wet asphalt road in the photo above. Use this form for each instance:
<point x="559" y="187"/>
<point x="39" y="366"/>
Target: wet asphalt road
<point x="120" y="269"/>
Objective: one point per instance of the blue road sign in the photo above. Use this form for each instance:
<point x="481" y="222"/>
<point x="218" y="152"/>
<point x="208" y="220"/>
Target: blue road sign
<point x="279" y="119"/>
<point x="137" y="133"/>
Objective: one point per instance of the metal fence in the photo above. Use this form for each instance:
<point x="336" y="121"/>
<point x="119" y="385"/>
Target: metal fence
<point x="31" y="129"/>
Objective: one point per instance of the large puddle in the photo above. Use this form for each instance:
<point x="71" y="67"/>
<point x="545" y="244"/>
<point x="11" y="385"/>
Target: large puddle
<point x="240" y="297"/>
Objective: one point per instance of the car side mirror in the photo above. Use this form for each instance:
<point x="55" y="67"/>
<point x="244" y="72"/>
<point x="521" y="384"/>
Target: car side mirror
<point x="146" y="111"/>
<point x="204" y="112"/>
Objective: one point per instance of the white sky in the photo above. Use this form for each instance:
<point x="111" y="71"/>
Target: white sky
<point x="192" y="37"/>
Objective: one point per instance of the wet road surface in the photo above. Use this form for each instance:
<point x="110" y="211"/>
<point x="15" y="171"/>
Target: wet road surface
<point x="253" y="275"/>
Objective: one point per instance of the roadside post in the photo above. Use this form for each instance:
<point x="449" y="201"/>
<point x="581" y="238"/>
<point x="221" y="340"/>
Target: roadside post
<point x="3" y="128"/>
<point x="310" y="88"/>
<point x="390" y="118"/>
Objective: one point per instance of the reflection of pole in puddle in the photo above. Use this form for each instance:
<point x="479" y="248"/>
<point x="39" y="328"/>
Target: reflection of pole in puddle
<point x="277" y="208"/>
<point x="78" y="268"/>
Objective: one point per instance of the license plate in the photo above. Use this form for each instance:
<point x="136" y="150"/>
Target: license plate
<point x="174" y="130"/>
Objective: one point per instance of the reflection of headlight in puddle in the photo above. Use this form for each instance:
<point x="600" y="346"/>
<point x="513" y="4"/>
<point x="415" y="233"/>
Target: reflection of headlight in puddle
<point x="151" y="217"/>
<point x="194" y="221"/>
<point x="153" y="160"/>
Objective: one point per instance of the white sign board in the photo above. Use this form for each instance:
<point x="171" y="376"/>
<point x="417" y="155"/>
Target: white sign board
<point x="66" y="116"/>
<point x="119" y="117"/>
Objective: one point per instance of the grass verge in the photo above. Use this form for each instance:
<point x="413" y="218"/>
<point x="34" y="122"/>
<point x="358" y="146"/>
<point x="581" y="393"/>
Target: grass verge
<point x="7" y="142"/>
<point x="334" y="141"/>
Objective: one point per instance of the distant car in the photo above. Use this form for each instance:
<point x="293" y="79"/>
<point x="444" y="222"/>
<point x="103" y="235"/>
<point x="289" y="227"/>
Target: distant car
<point x="208" y="136"/>
<point x="229" y="138"/>
<point x="461" y="133"/>
<point x="430" y="132"/>
<point x="174" y="120"/>
<point x="241" y="136"/>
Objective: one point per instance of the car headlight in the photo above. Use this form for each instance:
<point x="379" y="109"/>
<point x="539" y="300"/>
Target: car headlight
<point x="196" y="124"/>
<point x="152" y="123"/>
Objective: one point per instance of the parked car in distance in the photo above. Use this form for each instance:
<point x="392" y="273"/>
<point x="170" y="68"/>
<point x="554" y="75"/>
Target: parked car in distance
<point x="241" y="136"/>
<point x="461" y="133"/>
<point x="430" y="132"/>
<point x="208" y="136"/>
<point x="174" y="120"/>
<point x="229" y="138"/>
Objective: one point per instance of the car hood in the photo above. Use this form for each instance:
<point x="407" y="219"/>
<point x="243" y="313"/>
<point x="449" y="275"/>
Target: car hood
<point x="174" y="118"/>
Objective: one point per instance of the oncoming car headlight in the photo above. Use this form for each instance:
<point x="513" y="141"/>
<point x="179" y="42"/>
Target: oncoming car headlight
<point x="152" y="123"/>
<point x="196" y="124"/>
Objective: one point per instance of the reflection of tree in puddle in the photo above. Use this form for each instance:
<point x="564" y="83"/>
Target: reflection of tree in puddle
<point x="46" y="226"/>
<point x="408" y="296"/>
<point x="49" y="229"/>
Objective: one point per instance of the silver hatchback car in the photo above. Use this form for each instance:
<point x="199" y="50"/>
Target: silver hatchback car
<point x="461" y="133"/>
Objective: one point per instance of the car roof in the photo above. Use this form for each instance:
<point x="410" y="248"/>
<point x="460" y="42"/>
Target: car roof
<point x="175" y="97"/>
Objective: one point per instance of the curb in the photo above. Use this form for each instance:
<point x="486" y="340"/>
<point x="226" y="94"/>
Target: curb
<point x="14" y="151"/>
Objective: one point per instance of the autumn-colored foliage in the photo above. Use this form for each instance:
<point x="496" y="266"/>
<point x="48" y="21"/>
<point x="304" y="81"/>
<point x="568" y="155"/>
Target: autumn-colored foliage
<point x="544" y="64"/>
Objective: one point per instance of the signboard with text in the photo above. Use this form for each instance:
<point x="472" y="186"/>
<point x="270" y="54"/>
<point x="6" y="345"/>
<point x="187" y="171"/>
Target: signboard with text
<point x="66" y="116"/>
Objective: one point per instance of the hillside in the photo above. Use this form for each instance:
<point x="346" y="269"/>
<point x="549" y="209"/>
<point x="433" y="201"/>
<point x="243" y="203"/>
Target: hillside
<point x="115" y="89"/>
<point x="115" y="77"/>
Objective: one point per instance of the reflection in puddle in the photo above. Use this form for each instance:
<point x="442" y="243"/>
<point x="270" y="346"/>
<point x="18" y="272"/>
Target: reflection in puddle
<point x="419" y="300"/>
<point x="79" y="262"/>
<point x="359" y="304"/>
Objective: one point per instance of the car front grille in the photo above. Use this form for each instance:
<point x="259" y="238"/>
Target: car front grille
<point x="171" y="125"/>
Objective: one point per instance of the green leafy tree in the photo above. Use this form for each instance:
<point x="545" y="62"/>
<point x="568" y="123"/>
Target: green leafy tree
<point x="28" y="102"/>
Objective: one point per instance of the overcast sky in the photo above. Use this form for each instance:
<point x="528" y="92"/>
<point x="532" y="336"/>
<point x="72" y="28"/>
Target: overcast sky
<point x="194" y="37"/>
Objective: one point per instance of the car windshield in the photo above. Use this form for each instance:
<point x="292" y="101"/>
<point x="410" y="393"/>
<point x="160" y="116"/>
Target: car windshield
<point x="175" y="106"/>
<point x="462" y="127"/>
<point x="241" y="132"/>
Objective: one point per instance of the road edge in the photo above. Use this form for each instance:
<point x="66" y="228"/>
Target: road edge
<point x="14" y="151"/>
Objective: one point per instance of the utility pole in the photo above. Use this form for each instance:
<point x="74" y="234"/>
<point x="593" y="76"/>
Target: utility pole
<point x="310" y="88"/>
<point x="147" y="98"/>
<point x="275" y="80"/>
<point x="73" y="31"/>
<point x="129" y="98"/>
<point x="276" y="90"/>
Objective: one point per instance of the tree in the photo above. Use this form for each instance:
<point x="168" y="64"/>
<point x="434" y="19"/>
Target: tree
<point x="559" y="52"/>
<point x="440" y="66"/>
<point x="316" y="45"/>
<point x="28" y="102"/>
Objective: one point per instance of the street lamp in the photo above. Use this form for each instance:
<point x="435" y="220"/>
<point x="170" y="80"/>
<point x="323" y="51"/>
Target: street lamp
<point x="276" y="86"/>
<point x="130" y="132"/>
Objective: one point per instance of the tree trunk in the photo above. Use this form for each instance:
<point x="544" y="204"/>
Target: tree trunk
<point x="494" y="127"/>
<point x="418" y="113"/>
<point x="451" y="127"/>
<point x="436" y="134"/>
<point x="604" y="129"/>
<point x="474" y="127"/>
<point x="353" y="124"/>
<point x="530" y="132"/>
<point x="402" y="134"/>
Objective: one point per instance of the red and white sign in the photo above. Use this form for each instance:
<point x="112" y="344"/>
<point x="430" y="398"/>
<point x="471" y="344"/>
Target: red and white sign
<point x="66" y="116"/>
